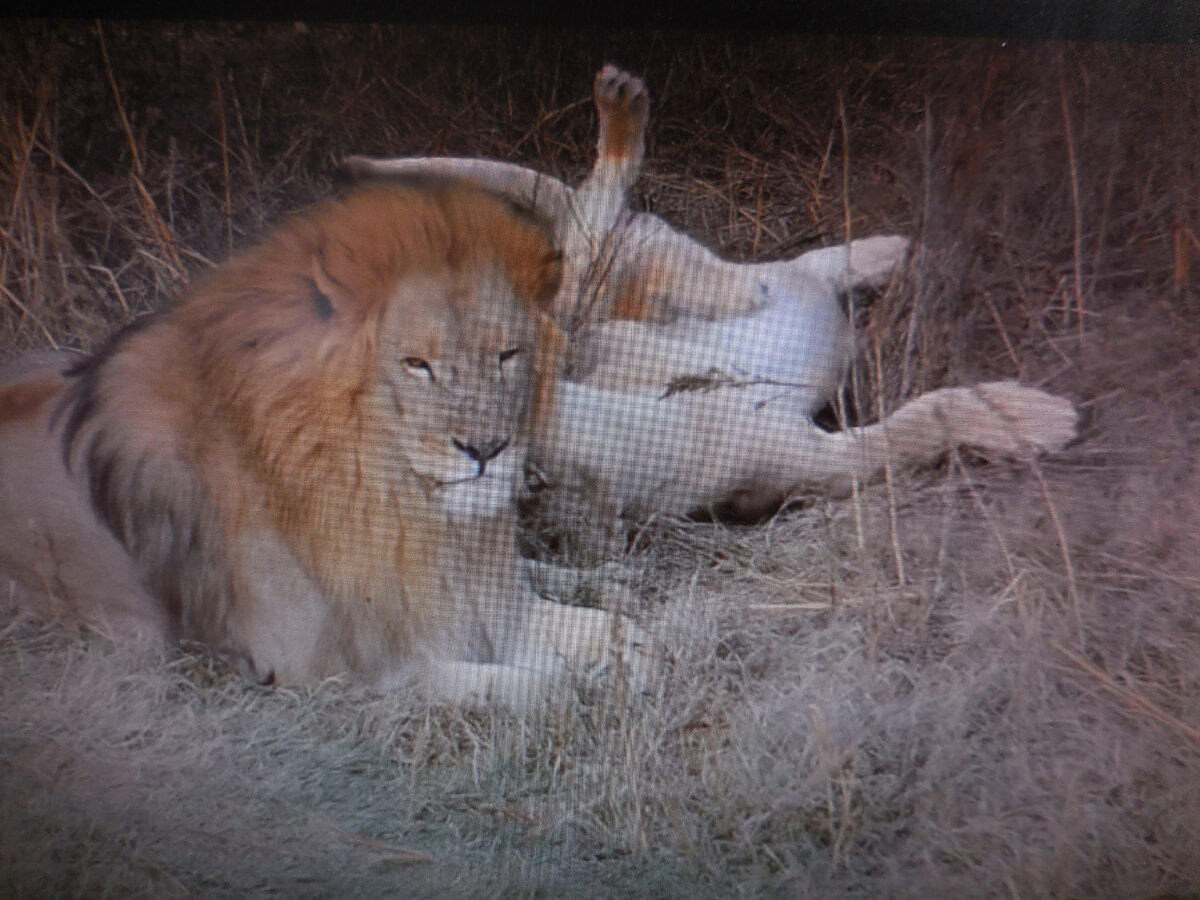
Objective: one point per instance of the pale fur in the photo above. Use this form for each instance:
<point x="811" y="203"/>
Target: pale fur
<point x="694" y="378"/>
<point x="308" y="462"/>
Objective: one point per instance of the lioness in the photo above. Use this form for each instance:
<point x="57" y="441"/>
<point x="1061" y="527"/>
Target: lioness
<point x="307" y="462"/>
<point x="693" y="379"/>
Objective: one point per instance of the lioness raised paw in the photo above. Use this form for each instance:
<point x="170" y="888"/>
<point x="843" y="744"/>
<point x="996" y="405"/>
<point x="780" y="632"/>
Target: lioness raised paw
<point x="623" y="105"/>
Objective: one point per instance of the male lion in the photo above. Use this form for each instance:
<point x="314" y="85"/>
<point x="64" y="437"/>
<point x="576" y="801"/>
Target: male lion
<point x="307" y="463"/>
<point x="693" y="379"/>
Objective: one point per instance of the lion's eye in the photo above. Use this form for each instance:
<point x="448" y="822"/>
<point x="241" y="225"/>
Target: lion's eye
<point x="417" y="367"/>
<point x="506" y="355"/>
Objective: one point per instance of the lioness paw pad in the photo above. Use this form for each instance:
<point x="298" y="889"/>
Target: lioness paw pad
<point x="1017" y="420"/>
<point x="618" y="93"/>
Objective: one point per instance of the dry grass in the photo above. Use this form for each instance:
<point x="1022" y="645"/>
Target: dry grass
<point x="971" y="680"/>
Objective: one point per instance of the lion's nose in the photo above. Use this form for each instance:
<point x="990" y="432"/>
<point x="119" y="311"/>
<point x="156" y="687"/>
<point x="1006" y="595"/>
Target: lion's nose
<point x="482" y="452"/>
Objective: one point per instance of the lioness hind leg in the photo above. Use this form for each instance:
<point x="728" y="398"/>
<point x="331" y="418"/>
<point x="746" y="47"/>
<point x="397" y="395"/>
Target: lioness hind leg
<point x="677" y="269"/>
<point x="1002" y="417"/>
<point x="664" y="273"/>
<point x="623" y="107"/>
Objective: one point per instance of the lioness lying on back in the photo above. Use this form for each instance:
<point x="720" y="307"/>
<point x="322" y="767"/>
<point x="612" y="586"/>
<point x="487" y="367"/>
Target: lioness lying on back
<point x="694" y="379"/>
<point x="308" y="462"/>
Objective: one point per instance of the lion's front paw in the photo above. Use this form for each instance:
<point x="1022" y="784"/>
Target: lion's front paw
<point x="605" y="586"/>
<point x="601" y="650"/>
<point x="632" y="657"/>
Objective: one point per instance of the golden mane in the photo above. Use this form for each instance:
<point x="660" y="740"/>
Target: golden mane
<point x="253" y="426"/>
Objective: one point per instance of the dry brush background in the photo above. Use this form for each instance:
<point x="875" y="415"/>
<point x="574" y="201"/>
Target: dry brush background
<point x="974" y="679"/>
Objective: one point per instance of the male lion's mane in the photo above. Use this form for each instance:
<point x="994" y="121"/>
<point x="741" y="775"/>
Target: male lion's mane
<point x="250" y="405"/>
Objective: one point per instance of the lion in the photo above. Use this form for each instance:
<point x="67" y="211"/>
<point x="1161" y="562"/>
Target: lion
<point x="694" y="380"/>
<point x="307" y="463"/>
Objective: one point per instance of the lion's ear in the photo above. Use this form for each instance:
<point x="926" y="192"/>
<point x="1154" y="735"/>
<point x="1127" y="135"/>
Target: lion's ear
<point x="328" y="295"/>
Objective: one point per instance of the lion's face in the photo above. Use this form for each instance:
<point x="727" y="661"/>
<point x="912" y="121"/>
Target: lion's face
<point x="457" y="374"/>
